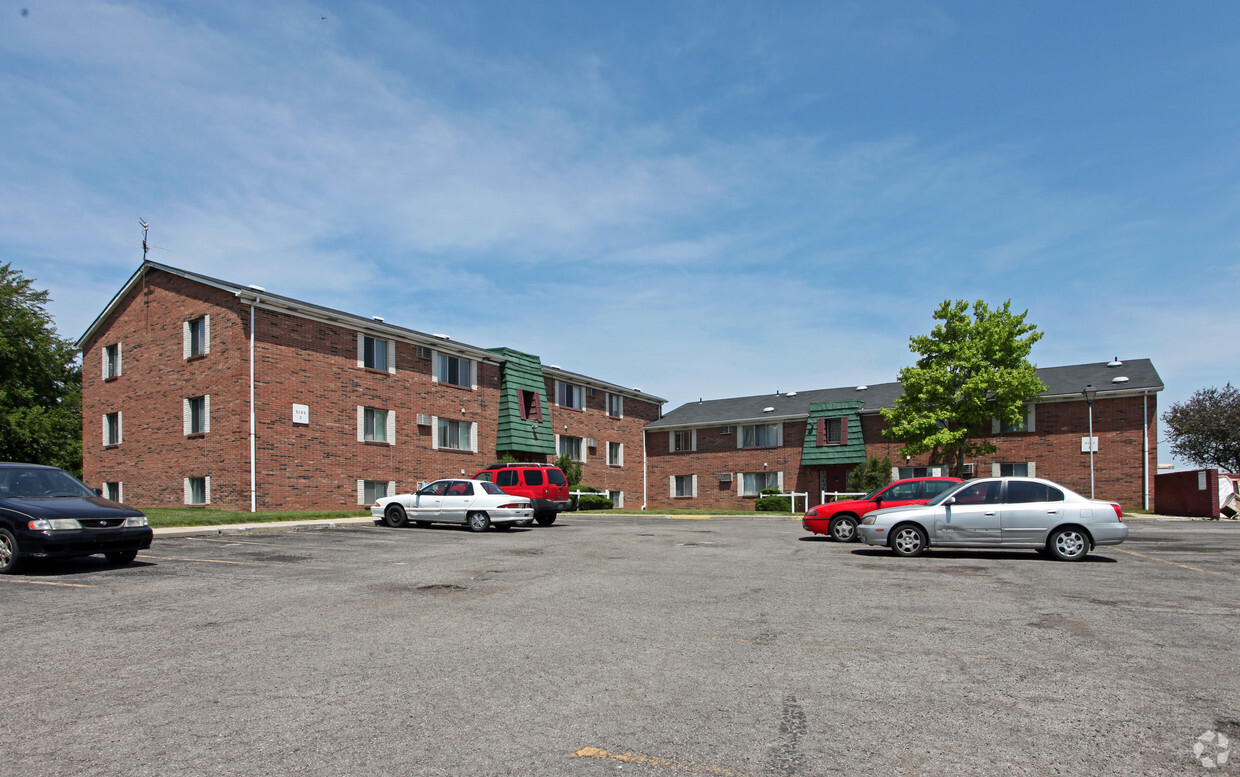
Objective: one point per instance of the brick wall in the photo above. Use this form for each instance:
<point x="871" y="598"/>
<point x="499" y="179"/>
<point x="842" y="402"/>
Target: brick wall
<point x="297" y="360"/>
<point x="1054" y="446"/>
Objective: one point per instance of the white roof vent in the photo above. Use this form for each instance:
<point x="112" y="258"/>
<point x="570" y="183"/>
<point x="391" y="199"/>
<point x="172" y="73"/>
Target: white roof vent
<point x="768" y="410"/>
<point x="1120" y="379"/>
<point x="555" y="366"/>
<point x="790" y="394"/>
<point x="1115" y="362"/>
<point x="862" y="387"/>
<point x="377" y="318"/>
<point x="256" y="287"/>
<point x="441" y="336"/>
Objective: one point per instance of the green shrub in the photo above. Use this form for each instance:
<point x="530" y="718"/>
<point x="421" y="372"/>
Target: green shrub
<point x="594" y="502"/>
<point x="773" y="504"/>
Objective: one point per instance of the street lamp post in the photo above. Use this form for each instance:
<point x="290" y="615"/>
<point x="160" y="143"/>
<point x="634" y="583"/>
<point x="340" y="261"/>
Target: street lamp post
<point x="1089" y="393"/>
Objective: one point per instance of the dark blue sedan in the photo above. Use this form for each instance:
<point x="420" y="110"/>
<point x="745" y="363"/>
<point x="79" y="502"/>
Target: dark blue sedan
<point x="47" y="513"/>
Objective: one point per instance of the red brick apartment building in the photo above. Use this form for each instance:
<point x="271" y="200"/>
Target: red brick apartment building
<point x="721" y="453"/>
<point x="198" y="391"/>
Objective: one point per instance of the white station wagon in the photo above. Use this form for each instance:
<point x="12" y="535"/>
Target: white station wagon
<point x="479" y="504"/>
<point x="999" y="513"/>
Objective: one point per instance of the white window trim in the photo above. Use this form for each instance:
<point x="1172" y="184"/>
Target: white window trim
<point x="740" y="482"/>
<point x="620" y="399"/>
<point x="473" y="369"/>
<point x="607" y="448"/>
<point x="472" y="436"/>
<point x="618" y="499"/>
<point x="106" y="363"/>
<point x="584" y="450"/>
<point x="206" y="491"/>
<point x="120" y="429"/>
<point x="671" y="440"/>
<point x="996" y="425"/>
<point x="389" y="346"/>
<point x="996" y="469"/>
<point x="189" y="416"/>
<point x="579" y="395"/>
<point x="120" y="491"/>
<point x="206" y="336"/>
<point x="740" y="435"/>
<point x="693" y="486"/>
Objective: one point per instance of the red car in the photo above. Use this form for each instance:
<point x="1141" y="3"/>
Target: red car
<point x="542" y="484"/>
<point x="838" y="520"/>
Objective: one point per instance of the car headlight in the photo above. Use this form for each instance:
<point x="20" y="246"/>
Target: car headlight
<point x="54" y="524"/>
<point x="867" y="521"/>
<point x="813" y="513"/>
<point x="135" y="521"/>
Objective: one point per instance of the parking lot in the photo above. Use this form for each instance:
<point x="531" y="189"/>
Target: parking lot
<point x="611" y="644"/>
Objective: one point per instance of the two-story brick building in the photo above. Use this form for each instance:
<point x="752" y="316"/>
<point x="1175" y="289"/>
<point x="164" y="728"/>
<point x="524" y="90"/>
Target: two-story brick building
<point x="722" y="453"/>
<point x="200" y="391"/>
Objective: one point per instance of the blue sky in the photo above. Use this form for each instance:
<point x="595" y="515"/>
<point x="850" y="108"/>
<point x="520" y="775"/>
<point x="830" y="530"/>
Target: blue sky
<point x="701" y="199"/>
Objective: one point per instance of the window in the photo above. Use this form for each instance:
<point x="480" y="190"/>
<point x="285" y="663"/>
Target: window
<point x="375" y="425"/>
<point x="919" y="472"/>
<point x="1017" y="469"/>
<point x="534" y="477"/>
<point x="198" y="491"/>
<point x="616" y="497"/>
<point x="752" y="483"/>
<point x="985" y="492"/>
<point x="832" y="431"/>
<point x="615" y="454"/>
<point x="725" y="430"/>
<point x="531" y="405"/>
<point x="114" y="490"/>
<point x="571" y="447"/>
<point x="684" y="485"/>
<point x="902" y="492"/>
<point x="1025" y="424"/>
<point x="454" y="435"/>
<point x="112" y="361"/>
<point x="453" y="370"/>
<point x="615" y="406"/>
<point x="371" y="491"/>
<point x="112" y="429"/>
<point x="568" y="395"/>
<point x="1023" y="491"/>
<point x="684" y="440"/>
<point x="933" y="488"/>
<point x="760" y="436"/>
<point x="506" y="477"/>
<point x="196" y="337"/>
<point x="197" y="415"/>
<point x="374" y="353"/>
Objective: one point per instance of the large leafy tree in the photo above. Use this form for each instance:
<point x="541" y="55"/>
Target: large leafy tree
<point x="1205" y="430"/>
<point x="973" y="368"/>
<point x="40" y="380"/>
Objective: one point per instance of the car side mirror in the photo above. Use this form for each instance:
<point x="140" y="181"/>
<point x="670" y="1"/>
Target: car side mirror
<point x="98" y="491"/>
<point x="951" y="500"/>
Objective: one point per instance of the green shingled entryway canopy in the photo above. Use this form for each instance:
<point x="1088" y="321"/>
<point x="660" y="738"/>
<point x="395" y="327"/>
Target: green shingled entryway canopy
<point x="533" y="434"/>
<point x="817" y="452"/>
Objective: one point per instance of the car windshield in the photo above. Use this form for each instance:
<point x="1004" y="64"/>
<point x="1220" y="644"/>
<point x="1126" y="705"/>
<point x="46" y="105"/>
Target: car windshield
<point x="490" y="487"/>
<point x="19" y="483"/>
<point x="870" y="496"/>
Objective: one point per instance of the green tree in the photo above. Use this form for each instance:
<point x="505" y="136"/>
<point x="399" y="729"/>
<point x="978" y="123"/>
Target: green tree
<point x="1205" y="430"/>
<point x="40" y="380"/>
<point x="872" y="474"/>
<point x="571" y="469"/>
<point x="972" y="368"/>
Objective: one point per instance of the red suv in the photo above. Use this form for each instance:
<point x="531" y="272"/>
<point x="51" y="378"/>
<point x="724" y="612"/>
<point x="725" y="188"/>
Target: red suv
<point x="839" y="520"/>
<point x="544" y="484"/>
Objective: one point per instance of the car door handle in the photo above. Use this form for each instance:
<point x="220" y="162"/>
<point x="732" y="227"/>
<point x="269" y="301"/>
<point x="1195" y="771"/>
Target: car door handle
<point x="989" y="512"/>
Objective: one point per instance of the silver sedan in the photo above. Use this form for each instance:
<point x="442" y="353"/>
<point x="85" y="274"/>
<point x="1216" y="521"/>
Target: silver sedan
<point x="479" y="504"/>
<point x="1000" y="513"/>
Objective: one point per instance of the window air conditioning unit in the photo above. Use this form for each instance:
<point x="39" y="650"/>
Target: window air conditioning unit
<point x="725" y="477"/>
<point x="726" y="430"/>
<point x="424" y="419"/>
<point x="591" y="442"/>
<point x="424" y="352"/>
<point x="966" y="471"/>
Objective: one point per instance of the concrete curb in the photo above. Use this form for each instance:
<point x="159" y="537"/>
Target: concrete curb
<point x="267" y="526"/>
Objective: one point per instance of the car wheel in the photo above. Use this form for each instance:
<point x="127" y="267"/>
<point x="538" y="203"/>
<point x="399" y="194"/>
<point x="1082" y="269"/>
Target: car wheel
<point x="545" y="519"/>
<point x="908" y="540"/>
<point x="843" y="528"/>
<point x="121" y="557"/>
<point x="394" y="516"/>
<point x="478" y="521"/>
<point x="1068" y="544"/>
<point x="10" y="561"/>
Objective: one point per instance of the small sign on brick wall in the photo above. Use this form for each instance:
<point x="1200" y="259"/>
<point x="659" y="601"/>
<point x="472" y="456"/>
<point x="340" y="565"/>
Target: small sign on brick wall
<point x="301" y="414"/>
<point x="1089" y="445"/>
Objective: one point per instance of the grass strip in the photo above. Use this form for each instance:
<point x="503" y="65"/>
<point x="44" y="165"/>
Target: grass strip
<point x="168" y="517"/>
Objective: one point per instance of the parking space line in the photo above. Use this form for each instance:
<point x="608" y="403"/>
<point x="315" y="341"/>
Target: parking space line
<point x="75" y="585"/>
<point x="1172" y="563"/>
<point x="653" y="760"/>
<point x="235" y="563"/>
<point x="809" y="646"/>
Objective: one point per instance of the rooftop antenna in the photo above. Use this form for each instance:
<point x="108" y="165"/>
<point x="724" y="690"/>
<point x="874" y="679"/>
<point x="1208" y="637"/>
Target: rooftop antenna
<point x="145" y="228"/>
